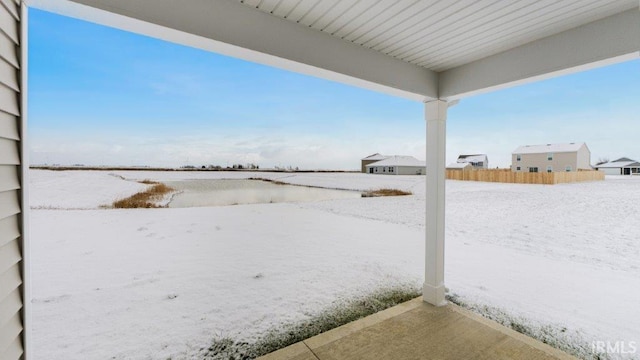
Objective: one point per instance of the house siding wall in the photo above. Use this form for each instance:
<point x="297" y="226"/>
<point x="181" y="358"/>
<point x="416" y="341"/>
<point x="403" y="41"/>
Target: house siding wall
<point x="579" y="159"/>
<point x="411" y="170"/>
<point x="384" y="170"/>
<point x="398" y="170"/>
<point x="630" y="170"/>
<point x="11" y="219"/>
<point x="584" y="158"/>
<point x="559" y="163"/>
<point x="365" y="163"/>
<point x="612" y="171"/>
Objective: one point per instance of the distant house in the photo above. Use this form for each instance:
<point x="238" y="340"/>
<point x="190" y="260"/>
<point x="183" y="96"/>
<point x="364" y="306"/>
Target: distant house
<point x="371" y="159"/>
<point x="478" y="161"/>
<point x="398" y="165"/>
<point x="551" y="158"/>
<point x="622" y="166"/>
<point x="462" y="166"/>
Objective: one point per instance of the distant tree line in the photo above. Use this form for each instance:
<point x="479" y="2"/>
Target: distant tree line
<point x="250" y="166"/>
<point x="287" y="168"/>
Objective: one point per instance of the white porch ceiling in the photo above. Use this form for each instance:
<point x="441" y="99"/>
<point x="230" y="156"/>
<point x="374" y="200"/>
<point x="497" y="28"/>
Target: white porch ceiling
<point x="418" y="49"/>
<point x="441" y="34"/>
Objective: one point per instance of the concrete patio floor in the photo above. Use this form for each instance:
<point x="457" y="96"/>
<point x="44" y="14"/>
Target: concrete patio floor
<point x="417" y="330"/>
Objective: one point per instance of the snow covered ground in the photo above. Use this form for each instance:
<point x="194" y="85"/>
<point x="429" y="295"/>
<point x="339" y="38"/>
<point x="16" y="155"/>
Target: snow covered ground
<point x="83" y="190"/>
<point x="160" y="283"/>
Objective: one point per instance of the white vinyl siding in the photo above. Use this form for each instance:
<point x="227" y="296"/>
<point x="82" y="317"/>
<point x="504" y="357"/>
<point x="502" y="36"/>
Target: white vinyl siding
<point x="11" y="259"/>
<point x="8" y="126"/>
<point x="410" y="170"/>
<point x="560" y="160"/>
<point x="397" y="170"/>
<point x="583" y="160"/>
<point x="612" y="171"/>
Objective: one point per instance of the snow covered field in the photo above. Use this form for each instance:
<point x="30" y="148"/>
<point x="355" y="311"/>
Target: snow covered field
<point x="160" y="283"/>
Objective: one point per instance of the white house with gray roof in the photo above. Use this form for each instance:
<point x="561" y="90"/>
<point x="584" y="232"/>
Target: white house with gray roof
<point x="398" y="165"/>
<point x="551" y="158"/>
<point x="622" y="166"/>
<point x="477" y="161"/>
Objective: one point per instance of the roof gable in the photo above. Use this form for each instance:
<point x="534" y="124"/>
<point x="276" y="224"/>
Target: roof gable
<point x="398" y="160"/>
<point x="549" y="148"/>
<point x="619" y="164"/>
<point x="375" y="156"/>
<point x="472" y="158"/>
<point x="622" y="159"/>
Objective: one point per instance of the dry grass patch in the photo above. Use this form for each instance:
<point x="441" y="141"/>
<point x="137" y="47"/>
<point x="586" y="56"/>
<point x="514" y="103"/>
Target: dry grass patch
<point x="145" y="199"/>
<point x="385" y="192"/>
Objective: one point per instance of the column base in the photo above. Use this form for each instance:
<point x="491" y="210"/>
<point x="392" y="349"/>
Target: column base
<point x="433" y="295"/>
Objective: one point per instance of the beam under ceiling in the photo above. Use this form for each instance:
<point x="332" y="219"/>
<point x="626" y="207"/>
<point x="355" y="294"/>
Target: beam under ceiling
<point x="233" y="29"/>
<point x="612" y="39"/>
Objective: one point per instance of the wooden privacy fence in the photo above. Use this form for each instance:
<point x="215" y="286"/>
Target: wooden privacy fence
<point x="508" y="176"/>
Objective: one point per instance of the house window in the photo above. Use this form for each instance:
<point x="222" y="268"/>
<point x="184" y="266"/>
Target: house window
<point x="479" y="164"/>
<point x="370" y="170"/>
<point x="391" y="169"/>
<point x="550" y="156"/>
<point x="518" y="157"/>
<point x="549" y="168"/>
<point x="533" y="169"/>
<point x="567" y="168"/>
<point x="384" y="169"/>
<point x="518" y="168"/>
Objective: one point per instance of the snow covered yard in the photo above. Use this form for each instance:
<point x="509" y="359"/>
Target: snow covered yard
<point x="78" y="190"/>
<point x="162" y="283"/>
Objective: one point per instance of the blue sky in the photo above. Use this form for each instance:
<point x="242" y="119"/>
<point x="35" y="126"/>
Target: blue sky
<point x="101" y="96"/>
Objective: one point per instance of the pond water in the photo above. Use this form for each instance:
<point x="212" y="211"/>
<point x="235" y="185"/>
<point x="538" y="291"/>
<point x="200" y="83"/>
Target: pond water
<point x="233" y="192"/>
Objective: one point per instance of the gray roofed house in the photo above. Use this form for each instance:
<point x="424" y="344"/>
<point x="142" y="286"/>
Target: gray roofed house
<point x="622" y="166"/>
<point x="551" y="158"/>
<point x="398" y="165"/>
<point x="478" y="161"/>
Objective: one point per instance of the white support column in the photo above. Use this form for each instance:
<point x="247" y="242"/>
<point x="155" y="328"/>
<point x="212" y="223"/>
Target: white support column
<point x="436" y="117"/>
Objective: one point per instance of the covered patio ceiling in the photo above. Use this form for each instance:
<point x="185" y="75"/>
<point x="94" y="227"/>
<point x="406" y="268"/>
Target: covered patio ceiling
<point x="417" y="49"/>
